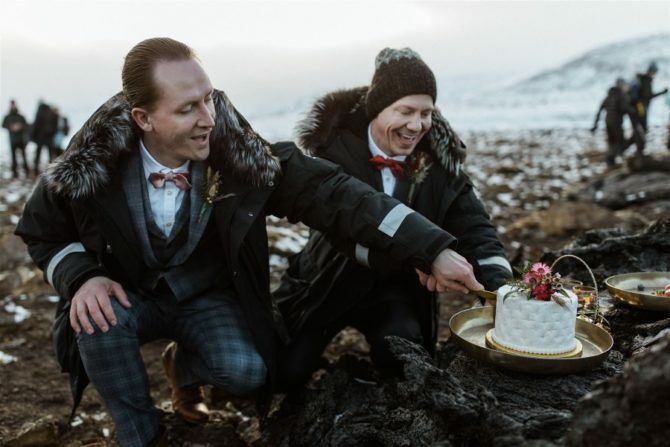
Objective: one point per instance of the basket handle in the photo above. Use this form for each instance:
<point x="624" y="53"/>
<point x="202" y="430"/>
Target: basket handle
<point x="593" y="278"/>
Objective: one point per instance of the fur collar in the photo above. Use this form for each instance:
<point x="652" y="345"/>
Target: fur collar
<point x="92" y="155"/>
<point x="346" y="109"/>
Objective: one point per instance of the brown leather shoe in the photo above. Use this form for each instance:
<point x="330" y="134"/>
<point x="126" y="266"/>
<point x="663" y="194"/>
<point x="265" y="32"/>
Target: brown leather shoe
<point x="187" y="403"/>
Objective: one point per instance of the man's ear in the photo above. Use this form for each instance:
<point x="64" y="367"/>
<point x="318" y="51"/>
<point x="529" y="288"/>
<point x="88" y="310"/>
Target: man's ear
<point x="141" y="118"/>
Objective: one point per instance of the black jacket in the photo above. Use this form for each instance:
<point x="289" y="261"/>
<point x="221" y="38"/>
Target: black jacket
<point x="326" y="274"/>
<point x="45" y="125"/>
<point x="80" y="199"/>
<point x="11" y="119"/>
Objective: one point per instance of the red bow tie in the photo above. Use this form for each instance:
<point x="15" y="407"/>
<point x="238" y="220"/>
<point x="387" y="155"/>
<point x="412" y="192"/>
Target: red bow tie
<point x="397" y="167"/>
<point x="180" y="179"/>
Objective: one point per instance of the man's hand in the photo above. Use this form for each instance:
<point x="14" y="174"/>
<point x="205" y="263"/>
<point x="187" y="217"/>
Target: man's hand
<point x="450" y="272"/>
<point x="92" y="299"/>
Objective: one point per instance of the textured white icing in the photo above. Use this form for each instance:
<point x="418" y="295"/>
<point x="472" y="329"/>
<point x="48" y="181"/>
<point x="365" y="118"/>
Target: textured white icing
<point x="536" y="327"/>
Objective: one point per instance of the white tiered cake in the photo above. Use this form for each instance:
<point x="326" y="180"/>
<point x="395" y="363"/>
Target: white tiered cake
<point x="532" y="326"/>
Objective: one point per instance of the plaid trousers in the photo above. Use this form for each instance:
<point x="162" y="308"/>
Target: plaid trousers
<point x="214" y="347"/>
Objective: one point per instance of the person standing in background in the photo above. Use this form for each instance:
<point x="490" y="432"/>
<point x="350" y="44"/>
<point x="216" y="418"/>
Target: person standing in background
<point x="617" y="105"/>
<point x="641" y="96"/>
<point x="16" y="125"/>
<point x="43" y="132"/>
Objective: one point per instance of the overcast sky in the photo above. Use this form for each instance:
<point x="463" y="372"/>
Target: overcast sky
<point x="266" y="53"/>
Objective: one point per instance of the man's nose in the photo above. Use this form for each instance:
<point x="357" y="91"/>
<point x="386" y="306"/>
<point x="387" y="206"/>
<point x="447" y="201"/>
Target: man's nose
<point x="414" y="124"/>
<point x="206" y="118"/>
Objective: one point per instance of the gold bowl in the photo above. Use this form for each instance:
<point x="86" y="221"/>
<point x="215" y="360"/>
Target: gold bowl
<point x="469" y="328"/>
<point x="624" y="288"/>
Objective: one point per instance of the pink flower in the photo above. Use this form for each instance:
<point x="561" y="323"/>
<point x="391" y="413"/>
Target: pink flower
<point x="542" y="292"/>
<point x="531" y="278"/>
<point x="541" y="268"/>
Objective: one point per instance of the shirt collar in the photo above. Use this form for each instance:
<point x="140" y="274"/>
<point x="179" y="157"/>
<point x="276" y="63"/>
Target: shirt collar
<point x="374" y="149"/>
<point x="152" y="165"/>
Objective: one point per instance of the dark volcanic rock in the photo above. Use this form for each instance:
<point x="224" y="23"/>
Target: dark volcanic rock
<point x="457" y="401"/>
<point x="632" y="408"/>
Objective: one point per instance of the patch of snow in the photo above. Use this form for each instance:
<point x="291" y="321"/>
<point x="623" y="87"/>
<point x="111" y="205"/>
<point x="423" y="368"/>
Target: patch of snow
<point x="6" y="359"/>
<point x="290" y="244"/>
<point x="20" y="313"/>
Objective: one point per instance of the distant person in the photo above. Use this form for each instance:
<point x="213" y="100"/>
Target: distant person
<point x="641" y="96"/>
<point x="642" y="93"/>
<point x="667" y="102"/>
<point x="616" y="105"/>
<point x="62" y="130"/>
<point x="17" y="126"/>
<point x="43" y="132"/>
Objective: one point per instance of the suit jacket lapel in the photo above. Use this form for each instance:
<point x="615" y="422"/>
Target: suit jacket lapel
<point x="133" y="182"/>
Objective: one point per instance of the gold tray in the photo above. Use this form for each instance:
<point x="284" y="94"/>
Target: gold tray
<point x="491" y="343"/>
<point x="623" y="288"/>
<point x="469" y="328"/>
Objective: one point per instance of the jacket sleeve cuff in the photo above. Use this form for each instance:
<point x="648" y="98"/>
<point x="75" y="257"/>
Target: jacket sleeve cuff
<point x="71" y="271"/>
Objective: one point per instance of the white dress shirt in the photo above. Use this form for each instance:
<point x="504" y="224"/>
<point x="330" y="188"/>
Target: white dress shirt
<point x="164" y="202"/>
<point x="388" y="179"/>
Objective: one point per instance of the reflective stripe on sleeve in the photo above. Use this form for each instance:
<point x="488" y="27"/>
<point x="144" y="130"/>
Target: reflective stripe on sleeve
<point x="394" y="219"/>
<point x="75" y="247"/>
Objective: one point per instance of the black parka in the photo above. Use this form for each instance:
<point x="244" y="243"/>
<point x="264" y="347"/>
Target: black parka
<point x="325" y="280"/>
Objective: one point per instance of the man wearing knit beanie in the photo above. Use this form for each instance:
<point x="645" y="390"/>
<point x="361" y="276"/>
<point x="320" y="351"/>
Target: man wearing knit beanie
<point x="391" y="136"/>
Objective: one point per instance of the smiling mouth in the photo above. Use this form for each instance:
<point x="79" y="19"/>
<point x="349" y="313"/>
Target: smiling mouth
<point x="200" y="139"/>
<point x="407" y="139"/>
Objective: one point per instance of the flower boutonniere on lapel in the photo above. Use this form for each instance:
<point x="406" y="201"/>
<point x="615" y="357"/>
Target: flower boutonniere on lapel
<point x="210" y="191"/>
<point x="416" y="171"/>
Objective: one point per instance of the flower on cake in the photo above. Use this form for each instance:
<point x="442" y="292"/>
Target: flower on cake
<point x="539" y="283"/>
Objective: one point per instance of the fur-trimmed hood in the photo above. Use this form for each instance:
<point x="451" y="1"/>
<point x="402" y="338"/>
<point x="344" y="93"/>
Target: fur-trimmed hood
<point x="346" y="109"/>
<point x="92" y="155"/>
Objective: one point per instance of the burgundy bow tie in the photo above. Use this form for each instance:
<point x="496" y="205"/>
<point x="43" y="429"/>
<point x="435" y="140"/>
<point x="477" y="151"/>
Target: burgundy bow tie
<point x="180" y="179"/>
<point x="397" y="167"/>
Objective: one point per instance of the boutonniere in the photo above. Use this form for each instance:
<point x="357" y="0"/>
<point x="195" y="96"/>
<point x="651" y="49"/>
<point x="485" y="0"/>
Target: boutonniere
<point x="210" y="191"/>
<point x="416" y="171"/>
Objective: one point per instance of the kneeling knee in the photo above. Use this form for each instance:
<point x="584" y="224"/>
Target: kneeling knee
<point x="243" y="377"/>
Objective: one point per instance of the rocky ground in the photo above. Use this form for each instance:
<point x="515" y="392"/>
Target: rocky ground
<point x="544" y="189"/>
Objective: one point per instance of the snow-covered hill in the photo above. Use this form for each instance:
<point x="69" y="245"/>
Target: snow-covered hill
<point x="598" y="68"/>
<point x="568" y="95"/>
